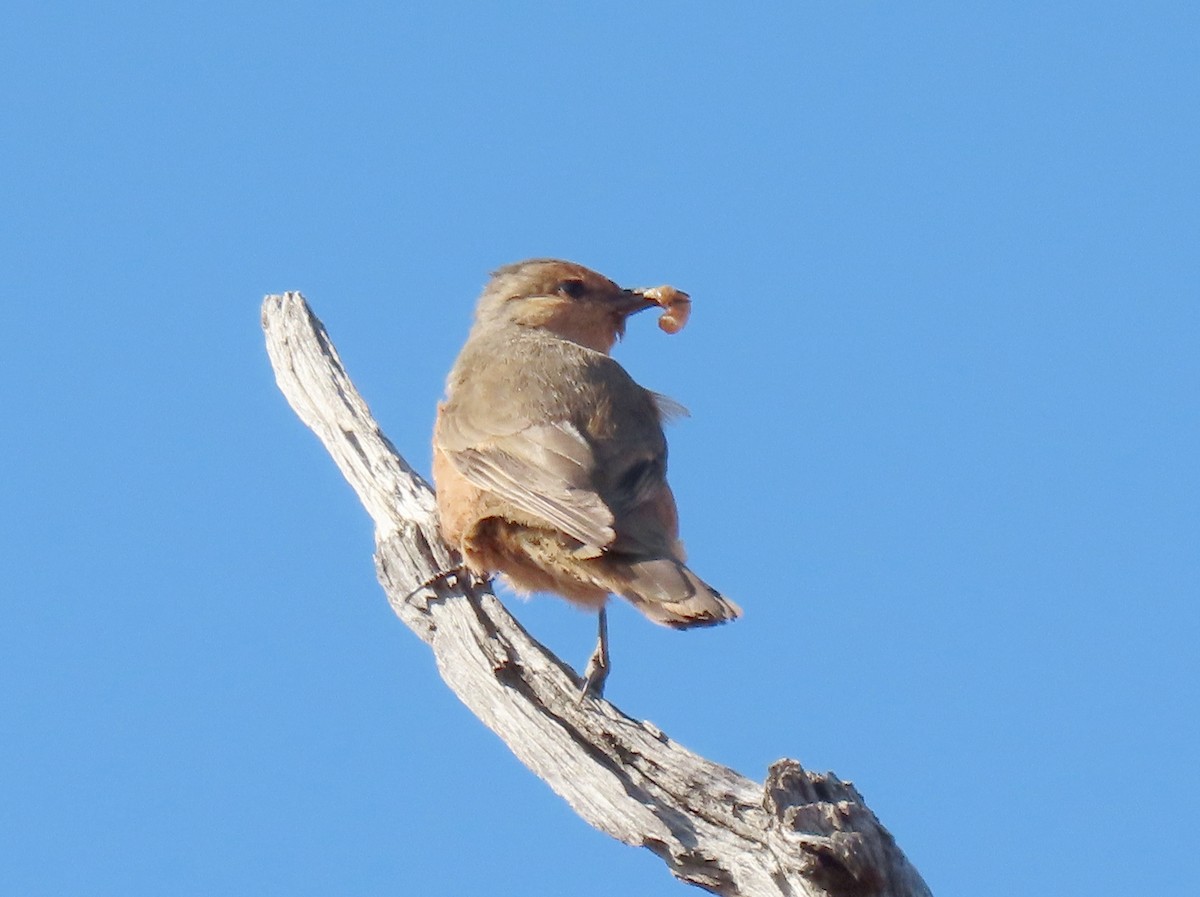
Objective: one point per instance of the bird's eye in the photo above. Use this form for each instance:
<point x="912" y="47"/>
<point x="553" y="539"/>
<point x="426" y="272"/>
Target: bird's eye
<point x="573" y="288"/>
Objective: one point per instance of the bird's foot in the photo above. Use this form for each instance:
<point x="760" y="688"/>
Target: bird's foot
<point x="595" y="674"/>
<point x="461" y="575"/>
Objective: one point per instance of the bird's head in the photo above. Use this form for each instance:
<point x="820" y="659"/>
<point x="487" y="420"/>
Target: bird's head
<point x="563" y="298"/>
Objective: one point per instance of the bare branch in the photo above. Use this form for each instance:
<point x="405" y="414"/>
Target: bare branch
<point x="799" y="834"/>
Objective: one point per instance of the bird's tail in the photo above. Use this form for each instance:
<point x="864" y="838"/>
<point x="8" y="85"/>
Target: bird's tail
<point x="667" y="592"/>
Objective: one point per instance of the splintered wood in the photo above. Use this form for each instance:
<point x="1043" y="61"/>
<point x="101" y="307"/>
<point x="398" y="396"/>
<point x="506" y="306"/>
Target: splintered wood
<point x="676" y="305"/>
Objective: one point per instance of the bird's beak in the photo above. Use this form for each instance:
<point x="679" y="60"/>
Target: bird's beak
<point x="630" y="302"/>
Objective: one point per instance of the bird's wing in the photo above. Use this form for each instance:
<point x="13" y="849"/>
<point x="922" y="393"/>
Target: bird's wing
<point x="646" y="520"/>
<point x="545" y="470"/>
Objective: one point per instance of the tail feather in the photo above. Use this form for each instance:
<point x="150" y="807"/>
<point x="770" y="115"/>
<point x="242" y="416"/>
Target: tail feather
<point x="669" y="593"/>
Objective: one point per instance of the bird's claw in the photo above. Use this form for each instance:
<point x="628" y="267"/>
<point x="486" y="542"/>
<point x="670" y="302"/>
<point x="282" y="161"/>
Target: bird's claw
<point x="595" y="675"/>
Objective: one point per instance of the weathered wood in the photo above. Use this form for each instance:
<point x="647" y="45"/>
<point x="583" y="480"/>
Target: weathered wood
<point x="799" y="834"/>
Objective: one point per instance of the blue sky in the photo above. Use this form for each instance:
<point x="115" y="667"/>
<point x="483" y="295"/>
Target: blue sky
<point x="942" y="368"/>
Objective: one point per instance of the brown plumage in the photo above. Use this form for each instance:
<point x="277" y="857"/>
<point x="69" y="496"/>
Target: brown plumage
<point x="550" y="461"/>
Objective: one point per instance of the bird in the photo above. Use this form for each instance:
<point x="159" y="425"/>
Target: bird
<point x="549" y="460"/>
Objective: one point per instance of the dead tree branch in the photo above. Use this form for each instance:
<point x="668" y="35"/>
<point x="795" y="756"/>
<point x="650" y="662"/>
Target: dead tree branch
<point x="800" y="834"/>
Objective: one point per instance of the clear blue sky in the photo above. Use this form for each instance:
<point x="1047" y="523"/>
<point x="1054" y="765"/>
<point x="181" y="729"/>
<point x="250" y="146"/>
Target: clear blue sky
<point x="943" y="372"/>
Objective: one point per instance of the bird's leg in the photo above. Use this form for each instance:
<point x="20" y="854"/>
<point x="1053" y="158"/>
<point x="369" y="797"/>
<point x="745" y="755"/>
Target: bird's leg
<point x="596" y="672"/>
